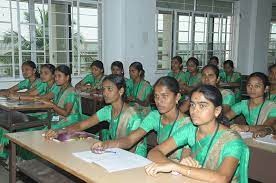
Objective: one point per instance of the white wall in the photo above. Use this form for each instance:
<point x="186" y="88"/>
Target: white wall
<point x="129" y="34"/>
<point x="254" y="28"/>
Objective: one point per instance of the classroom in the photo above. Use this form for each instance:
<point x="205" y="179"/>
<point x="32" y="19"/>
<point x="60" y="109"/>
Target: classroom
<point x="137" y="90"/>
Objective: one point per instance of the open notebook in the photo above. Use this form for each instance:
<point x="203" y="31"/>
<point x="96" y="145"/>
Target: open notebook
<point x="267" y="139"/>
<point x="114" y="159"/>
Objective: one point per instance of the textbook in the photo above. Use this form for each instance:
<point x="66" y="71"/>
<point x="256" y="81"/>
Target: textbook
<point x="114" y="159"/>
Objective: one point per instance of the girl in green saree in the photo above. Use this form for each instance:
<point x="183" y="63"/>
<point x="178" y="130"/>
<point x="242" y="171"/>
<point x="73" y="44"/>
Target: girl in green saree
<point x="31" y="76"/>
<point x="210" y="76"/>
<point x="122" y="118"/>
<point x="218" y="154"/>
<point x="231" y="78"/>
<point x="140" y="91"/>
<point x="66" y="104"/>
<point x="257" y="110"/>
<point x="92" y="82"/>
<point x="165" y="121"/>
<point x="192" y="78"/>
<point x="272" y="80"/>
<point x="47" y="76"/>
<point x="176" y="70"/>
<point x="117" y="67"/>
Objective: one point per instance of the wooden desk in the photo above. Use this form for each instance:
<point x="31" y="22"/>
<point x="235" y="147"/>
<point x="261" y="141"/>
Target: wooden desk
<point x="262" y="163"/>
<point x="13" y="120"/>
<point x="60" y="154"/>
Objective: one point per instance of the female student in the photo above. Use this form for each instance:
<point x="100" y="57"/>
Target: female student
<point x="48" y="85"/>
<point x="272" y="80"/>
<point x="192" y="77"/>
<point x="176" y="69"/>
<point x="218" y="154"/>
<point x="92" y="82"/>
<point x="66" y="103"/>
<point x="140" y="91"/>
<point x="122" y="118"/>
<point x="31" y="77"/>
<point x="231" y="78"/>
<point x="257" y="110"/>
<point x="210" y="76"/>
<point x="165" y="121"/>
<point x="117" y="67"/>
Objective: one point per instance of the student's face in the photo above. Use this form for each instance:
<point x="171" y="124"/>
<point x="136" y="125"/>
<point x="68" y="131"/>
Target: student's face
<point x="191" y="66"/>
<point x="202" y="111"/>
<point x="28" y="71"/>
<point x="165" y="99"/>
<point x="133" y="73"/>
<point x="227" y="68"/>
<point x="116" y="70"/>
<point x="255" y="87"/>
<point x="111" y="92"/>
<point x="213" y="62"/>
<point x="209" y="77"/>
<point x="46" y="75"/>
<point x="96" y="71"/>
<point x="61" y="78"/>
<point x="272" y="75"/>
<point x="175" y="65"/>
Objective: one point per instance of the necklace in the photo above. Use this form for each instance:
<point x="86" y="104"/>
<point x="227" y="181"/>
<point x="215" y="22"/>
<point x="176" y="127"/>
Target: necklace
<point x="255" y="122"/>
<point x="209" y="144"/>
<point x="118" y="116"/>
<point x="159" y="127"/>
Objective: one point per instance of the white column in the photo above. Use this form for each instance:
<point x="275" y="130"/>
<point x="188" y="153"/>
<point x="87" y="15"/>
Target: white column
<point x="129" y="34"/>
<point x="254" y="27"/>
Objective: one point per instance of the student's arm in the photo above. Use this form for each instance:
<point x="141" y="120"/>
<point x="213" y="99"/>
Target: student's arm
<point x="126" y="142"/>
<point x="144" y="103"/>
<point x="6" y="92"/>
<point x="80" y="126"/>
<point x="230" y="114"/>
<point x="226" y="109"/>
<point x="223" y="174"/>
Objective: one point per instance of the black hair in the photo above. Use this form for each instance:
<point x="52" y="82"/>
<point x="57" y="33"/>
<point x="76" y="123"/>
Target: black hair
<point x="118" y="64"/>
<point x="229" y="62"/>
<point x="169" y="82"/>
<point x="98" y="64"/>
<point x="179" y="60"/>
<point x="212" y="94"/>
<point x="51" y="67"/>
<point x="119" y="81"/>
<point x="33" y="66"/>
<point x="271" y="67"/>
<point x="214" y="58"/>
<point x="193" y="59"/>
<point x="260" y="75"/>
<point x="213" y="67"/>
<point x="65" y="70"/>
<point x="139" y="67"/>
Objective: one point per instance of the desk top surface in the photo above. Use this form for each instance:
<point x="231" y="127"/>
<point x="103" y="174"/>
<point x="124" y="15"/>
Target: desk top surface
<point x="13" y="105"/>
<point x="60" y="154"/>
<point x="266" y="147"/>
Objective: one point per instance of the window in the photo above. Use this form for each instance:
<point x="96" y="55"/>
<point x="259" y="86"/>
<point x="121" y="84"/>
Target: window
<point x="49" y="31"/>
<point x="272" y="39"/>
<point x="201" y="28"/>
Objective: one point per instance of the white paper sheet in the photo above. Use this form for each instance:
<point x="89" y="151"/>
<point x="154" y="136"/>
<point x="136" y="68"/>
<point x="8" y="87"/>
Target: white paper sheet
<point x="112" y="162"/>
<point x="246" y="135"/>
<point x="267" y="139"/>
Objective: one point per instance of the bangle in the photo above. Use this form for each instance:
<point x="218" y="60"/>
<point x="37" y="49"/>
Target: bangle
<point x="189" y="172"/>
